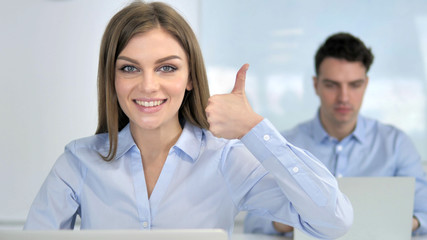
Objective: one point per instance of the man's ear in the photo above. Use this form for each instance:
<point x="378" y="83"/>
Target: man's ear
<point x="315" y="84"/>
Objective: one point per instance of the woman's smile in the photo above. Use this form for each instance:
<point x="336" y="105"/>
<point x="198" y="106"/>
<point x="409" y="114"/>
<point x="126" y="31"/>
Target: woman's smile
<point x="150" y="106"/>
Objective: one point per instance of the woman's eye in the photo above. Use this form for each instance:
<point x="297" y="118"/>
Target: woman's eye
<point x="167" y="68"/>
<point x="129" y="69"/>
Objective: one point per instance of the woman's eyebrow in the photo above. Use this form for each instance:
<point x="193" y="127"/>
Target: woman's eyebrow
<point x="127" y="59"/>
<point x="168" y="58"/>
<point x="157" y="61"/>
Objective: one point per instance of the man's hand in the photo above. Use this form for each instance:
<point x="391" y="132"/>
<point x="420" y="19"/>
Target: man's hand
<point x="415" y="224"/>
<point x="282" y="228"/>
<point x="230" y="115"/>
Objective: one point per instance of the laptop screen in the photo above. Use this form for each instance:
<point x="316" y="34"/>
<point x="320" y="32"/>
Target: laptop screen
<point x="383" y="207"/>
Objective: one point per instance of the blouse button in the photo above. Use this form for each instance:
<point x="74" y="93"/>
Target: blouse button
<point x="295" y="169"/>
<point x="266" y="137"/>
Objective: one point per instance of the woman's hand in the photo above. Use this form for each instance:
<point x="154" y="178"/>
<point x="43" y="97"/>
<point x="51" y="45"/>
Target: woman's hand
<point x="230" y="115"/>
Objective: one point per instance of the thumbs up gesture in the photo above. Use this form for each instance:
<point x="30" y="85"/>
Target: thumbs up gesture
<point x="230" y="115"/>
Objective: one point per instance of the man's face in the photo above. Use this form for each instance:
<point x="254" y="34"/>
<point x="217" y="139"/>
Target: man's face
<point x="340" y="86"/>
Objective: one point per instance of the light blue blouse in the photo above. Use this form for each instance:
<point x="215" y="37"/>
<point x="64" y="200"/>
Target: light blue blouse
<point x="204" y="183"/>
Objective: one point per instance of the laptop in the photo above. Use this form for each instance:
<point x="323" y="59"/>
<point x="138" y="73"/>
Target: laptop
<point x="383" y="208"/>
<point x="175" y="234"/>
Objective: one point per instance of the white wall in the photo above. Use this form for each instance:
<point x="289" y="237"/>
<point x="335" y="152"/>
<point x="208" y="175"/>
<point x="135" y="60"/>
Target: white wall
<point x="49" y="57"/>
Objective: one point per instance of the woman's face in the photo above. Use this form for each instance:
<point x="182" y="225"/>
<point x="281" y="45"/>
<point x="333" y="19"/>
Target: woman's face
<point x="151" y="78"/>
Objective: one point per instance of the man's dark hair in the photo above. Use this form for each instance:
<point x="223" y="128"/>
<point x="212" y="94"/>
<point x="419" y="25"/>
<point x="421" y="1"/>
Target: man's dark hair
<point x="344" y="46"/>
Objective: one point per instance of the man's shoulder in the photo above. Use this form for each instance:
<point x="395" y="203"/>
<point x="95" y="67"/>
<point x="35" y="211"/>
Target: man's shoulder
<point x="383" y="130"/>
<point x="300" y="131"/>
<point x="377" y="126"/>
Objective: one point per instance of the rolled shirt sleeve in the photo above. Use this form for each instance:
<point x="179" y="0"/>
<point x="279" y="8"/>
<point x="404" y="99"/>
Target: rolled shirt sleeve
<point x="315" y="204"/>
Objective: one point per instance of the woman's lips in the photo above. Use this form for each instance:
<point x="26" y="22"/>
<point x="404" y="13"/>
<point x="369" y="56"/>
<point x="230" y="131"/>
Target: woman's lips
<point x="150" y="106"/>
<point x="154" y="103"/>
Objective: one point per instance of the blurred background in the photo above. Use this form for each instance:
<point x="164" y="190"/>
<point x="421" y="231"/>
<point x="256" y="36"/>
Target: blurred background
<point x="49" y="57"/>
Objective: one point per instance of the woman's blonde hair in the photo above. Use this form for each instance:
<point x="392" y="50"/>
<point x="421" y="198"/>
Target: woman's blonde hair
<point x="140" y="17"/>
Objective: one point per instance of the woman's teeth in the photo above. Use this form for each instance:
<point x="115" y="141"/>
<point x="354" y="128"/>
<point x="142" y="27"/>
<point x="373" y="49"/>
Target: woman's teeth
<point x="149" y="103"/>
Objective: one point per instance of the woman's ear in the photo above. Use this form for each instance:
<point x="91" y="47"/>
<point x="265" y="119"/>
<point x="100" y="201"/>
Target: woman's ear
<point x="189" y="85"/>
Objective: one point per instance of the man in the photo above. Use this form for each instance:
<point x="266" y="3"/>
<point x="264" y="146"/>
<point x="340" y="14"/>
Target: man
<point x="348" y="143"/>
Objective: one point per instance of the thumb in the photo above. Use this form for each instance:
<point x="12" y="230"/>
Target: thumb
<point x="239" y="85"/>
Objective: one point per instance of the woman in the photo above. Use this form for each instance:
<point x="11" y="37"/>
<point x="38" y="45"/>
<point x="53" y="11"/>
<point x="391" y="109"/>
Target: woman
<point x="153" y="163"/>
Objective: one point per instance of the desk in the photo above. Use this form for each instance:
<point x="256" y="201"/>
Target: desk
<point x="241" y="236"/>
<point x="235" y="236"/>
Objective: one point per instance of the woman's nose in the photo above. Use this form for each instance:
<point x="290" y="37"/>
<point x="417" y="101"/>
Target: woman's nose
<point x="149" y="82"/>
